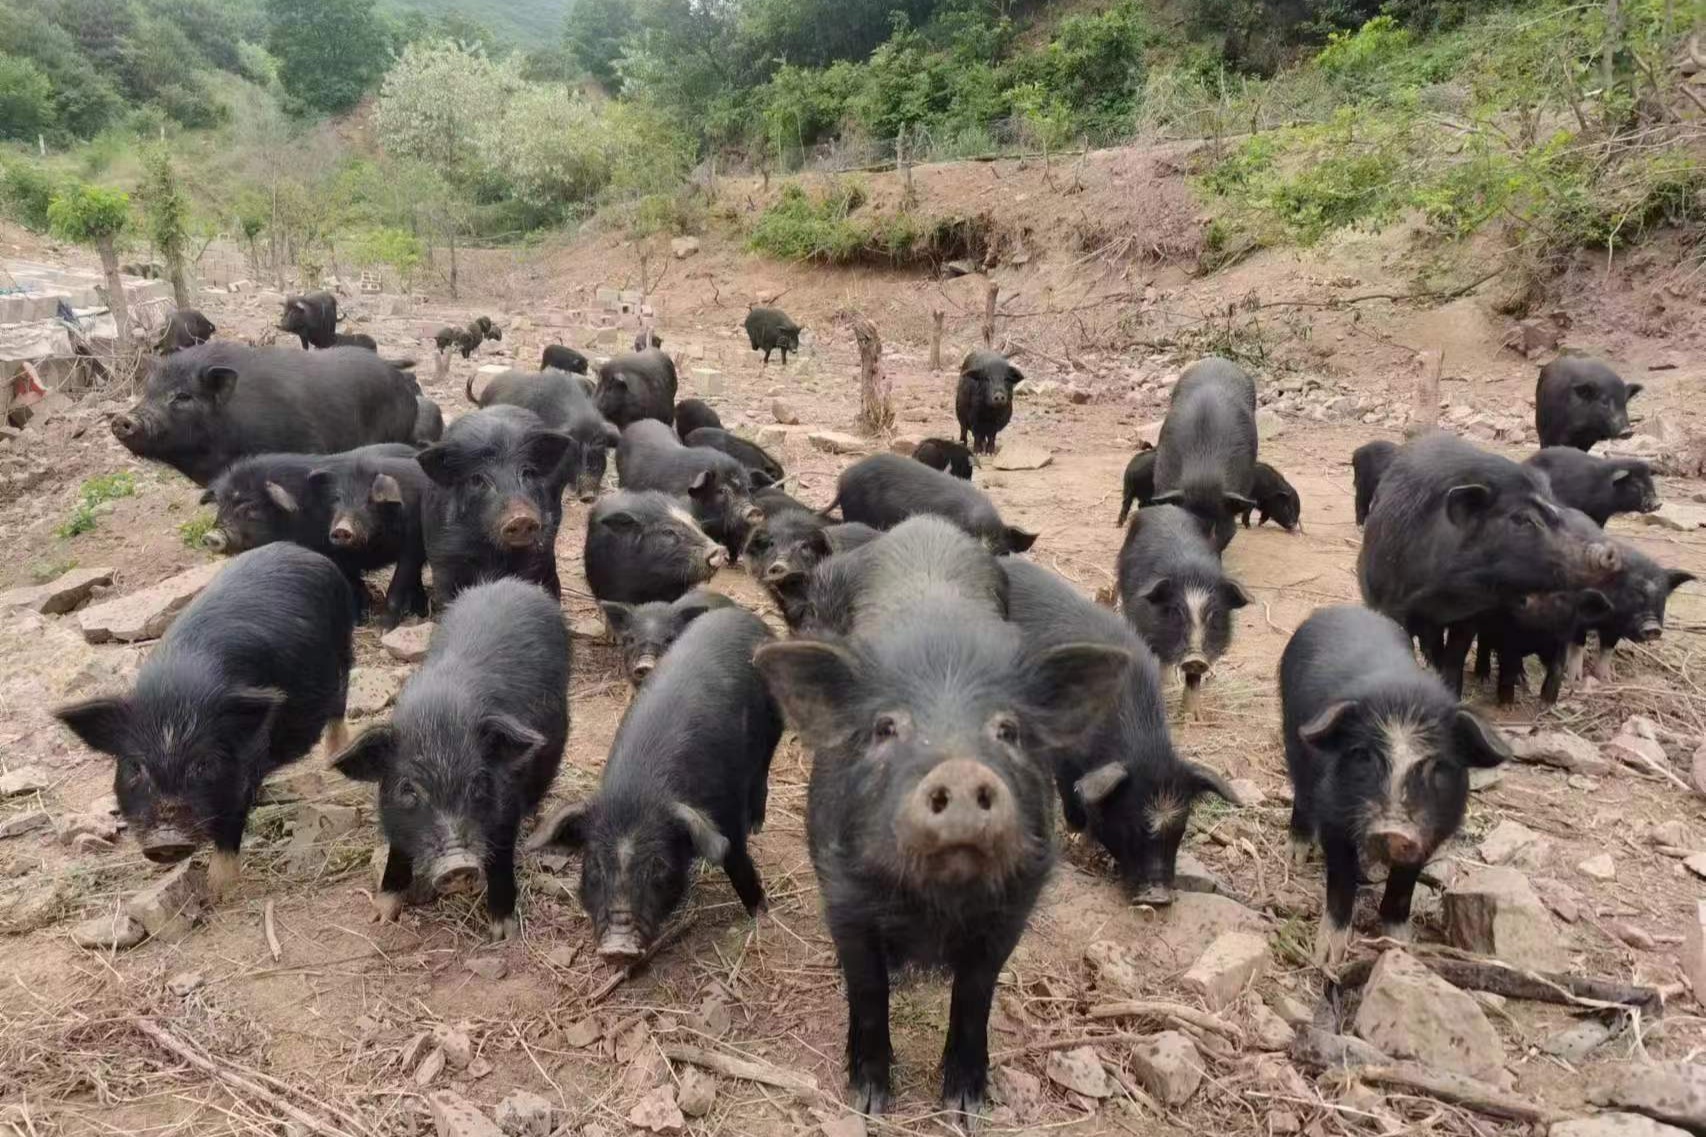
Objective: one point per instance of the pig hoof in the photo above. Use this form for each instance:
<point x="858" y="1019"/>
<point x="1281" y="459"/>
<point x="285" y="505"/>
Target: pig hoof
<point x="223" y="872"/>
<point x="1602" y="669"/>
<point x="870" y="1099"/>
<point x="1398" y="931"/>
<point x="1300" y="848"/>
<point x="337" y="736"/>
<point x="1331" y="944"/>
<point x="964" y="1108"/>
<point x="505" y="929"/>
<point x="387" y="906"/>
<point x="1573" y="663"/>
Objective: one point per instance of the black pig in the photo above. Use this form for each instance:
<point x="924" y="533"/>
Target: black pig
<point x="244" y="681"/>
<point x="1542" y="624"/>
<point x="1368" y="465"/>
<point x="1638" y="595"/>
<point x="637" y="386"/>
<point x="645" y="546"/>
<point x="1137" y="484"/>
<point x="563" y="359"/>
<point x="687" y="776"/>
<point x="562" y="403"/>
<point x="983" y="398"/>
<point x="471" y="748"/>
<point x="355" y="339"/>
<point x="650" y="457"/>
<point x="1275" y="498"/>
<point x="945" y="454"/>
<point x="691" y="414"/>
<point x="1578" y="402"/>
<point x="884" y="489"/>
<point x="187" y="328"/>
<point x="1599" y="487"/>
<point x="1206" y="458"/>
<point x="770" y="329"/>
<point x="645" y="631"/>
<point x="312" y="318"/>
<point x="762" y="468"/>
<point x="1379" y="755"/>
<point x="429" y="421"/>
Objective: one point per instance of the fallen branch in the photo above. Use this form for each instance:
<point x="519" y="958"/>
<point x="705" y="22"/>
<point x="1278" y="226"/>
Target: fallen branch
<point x="1515" y="983"/>
<point x="1424" y="294"/>
<point x="745" y="1069"/>
<point x="170" y="1042"/>
<point x="1071" y="1043"/>
<point x="1457" y="1089"/>
<point x="272" y="933"/>
<point x="669" y="937"/>
<point x="1179" y="1012"/>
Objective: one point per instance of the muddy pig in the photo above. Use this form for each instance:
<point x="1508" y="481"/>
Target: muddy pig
<point x="645" y="631"/>
<point x="1206" y="456"/>
<point x="945" y="454"/>
<point x="687" y="777"/>
<point x="983" y="398"/>
<point x="884" y="489"/>
<point x="471" y="748"/>
<point x="645" y="546"/>
<point x="1379" y="754"/>
<point x="1578" y="402"/>
<point x="1599" y="487"/>
<point x="1123" y="781"/>
<point x="244" y="681"/>
<point x="496" y="500"/>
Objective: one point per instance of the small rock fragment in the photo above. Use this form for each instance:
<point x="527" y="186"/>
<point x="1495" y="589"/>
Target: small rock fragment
<point x="1671" y="1092"/>
<point x="479" y="1068"/>
<point x="1078" y="1070"/>
<point x="1694" y="951"/>
<point x="1020" y="1090"/>
<point x="1599" y="867"/>
<point x="60" y="595"/>
<point x="582" y="1033"/>
<point x="170" y="906"/>
<point x="1323" y="1050"/>
<point x="107" y="933"/>
<point x="1562" y="749"/>
<point x="1575" y="1042"/>
<point x="1168" y="1066"/>
<point x="1247" y="792"/>
<point x="1513" y="842"/>
<point x="1282" y="1122"/>
<point x="1565" y="902"/>
<point x="563" y="957"/>
<point x="783" y="412"/>
<point x="431" y="1067"/>
<point x="185" y="982"/>
<point x="408" y="642"/>
<point x="1673" y="833"/>
<point x="146" y="615"/>
<point x="524" y="1114"/>
<point x="714" y="1016"/>
<point x="836" y="442"/>
<point x="1293" y="1010"/>
<point x="488" y="967"/>
<point x="1634" y="935"/>
<point x="1496" y="912"/>
<point x="1614" y="1125"/>
<point x="697" y="1092"/>
<point x="1409" y="1012"/>
<point x="23" y="780"/>
<point x="318" y="825"/>
<point x="371" y="689"/>
<point x="1114" y="967"/>
<point x="1268" y="1030"/>
<point x="658" y="1111"/>
<point x="1233" y="960"/>
<point x="456" y="1116"/>
<point x="457" y="1046"/>
<point x="102" y="827"/>
<point x="1191" y="875"/>
<point x="1485" y="777"/>
<point x="21" y="823"/>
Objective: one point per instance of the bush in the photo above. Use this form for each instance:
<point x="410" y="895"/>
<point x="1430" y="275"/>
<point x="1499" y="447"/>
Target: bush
<point x="397" y="249"/>
<point x="197" y="527"/>
<point x="26" y="192"/>
<point x="26" y="100"/>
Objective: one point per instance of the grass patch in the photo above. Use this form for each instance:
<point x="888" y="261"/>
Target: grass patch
<point x="839" y="228"/>
<point x="193" y="530"/>
<point x="96" y="492"/>
<point x="43" y="571"/>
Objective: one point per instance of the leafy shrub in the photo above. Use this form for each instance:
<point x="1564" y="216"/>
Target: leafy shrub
<point x="193" y="530"/>
<point x="397" y="249"/>
<point x="26" y="191"/>
<point x="95" y="492"/>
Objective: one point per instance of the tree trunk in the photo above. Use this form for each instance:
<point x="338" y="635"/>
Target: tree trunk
<point x="989" y="296"/>
<point x="876" y="412"/>
<point x="936" y="317"/>
<point x="115" y="296"/>
<point x="451" y="232"/>
<point x="1608" y="60"/>
<point x="1424" y="406"/>
<point x="180" y="289"/>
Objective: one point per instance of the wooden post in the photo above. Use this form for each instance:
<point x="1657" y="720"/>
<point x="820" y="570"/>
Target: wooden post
<point x="936" y="318"/>
<point x="989" y="296"/>
<point x="876" y="411"/>
<point x="116" y="301"/>
<point x="645" y="262"/>
<point x="1424" y="407"/>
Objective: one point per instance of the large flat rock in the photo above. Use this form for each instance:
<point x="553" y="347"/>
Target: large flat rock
<point x="146" y="615"/>
<point x="64" y="594"/>
<point x="1409" y="1012"/>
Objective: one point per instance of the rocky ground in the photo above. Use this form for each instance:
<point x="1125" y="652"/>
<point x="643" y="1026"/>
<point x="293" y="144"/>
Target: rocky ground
<point x="285" y="1010"/>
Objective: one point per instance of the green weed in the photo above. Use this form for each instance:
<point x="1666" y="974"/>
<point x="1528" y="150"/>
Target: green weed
<point x="96" y="491"/>
<point x="193" y="530"/>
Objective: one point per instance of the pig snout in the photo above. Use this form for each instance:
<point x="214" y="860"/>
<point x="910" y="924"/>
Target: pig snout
<point x="1394" y="843"/>
<point x="519" y="525"/>
<point x="1651" y="630"/>
<point x="455" y="871"/>
<point x="1194" y="666"/>
<point x="643" y="667"/>
<point x="750" y="514"/>
<point x="1155" y="894"/>
<point x="621" y="940"/>
<point x="587" y="494"/>
<point x="126" y="425"/>
<point x="717" y="557"/>
<point x="959" y="819"/>
<point x="775" y="571"/>
<point x="167" y="845"/>
<point x="215" y="540"/>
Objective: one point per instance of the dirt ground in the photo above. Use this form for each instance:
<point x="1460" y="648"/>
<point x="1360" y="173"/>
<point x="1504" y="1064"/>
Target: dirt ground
<point x="339" y="1019"/>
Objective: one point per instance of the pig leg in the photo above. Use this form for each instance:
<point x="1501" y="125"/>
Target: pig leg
<point x="869" y="1051"/>
<point x="500" y="889"/>
<point x="1602" y="660"/>
<point x="1302" y="828"/>
<point x="743" y="874"/>
<point x="1554" y="681"/>
<point x="223" y="868"/>
<point x="1395" y="902"/>
<point x="1070" y="803"/>
<point x="399" y="875"/>
<point x="337" y="735"/>
<point x="965" y="1058"/>
<point x="1510" y="669"/>
<point x="757" y="801"/>
<point x="1455" y="653"/>
<point x="1334" y="936"/>
<point x="406" y="592"/>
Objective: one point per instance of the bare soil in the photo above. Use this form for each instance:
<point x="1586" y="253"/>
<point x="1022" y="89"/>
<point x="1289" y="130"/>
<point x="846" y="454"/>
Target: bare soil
<point x="1104" y="314"/>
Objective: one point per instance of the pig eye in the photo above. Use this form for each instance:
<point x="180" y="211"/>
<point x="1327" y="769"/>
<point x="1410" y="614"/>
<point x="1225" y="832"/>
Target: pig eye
<point x="179" y="398"/>
<point x="1006" y="730"/>
<point x="530" y="471"/>
<point x="886" y="728"/>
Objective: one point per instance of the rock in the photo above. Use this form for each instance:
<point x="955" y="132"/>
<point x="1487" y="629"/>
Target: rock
<point x="1599" y="867"/>
<point x="683" y="247"/>
<point x="1232" y="961"/>
<point x="1248" y="793"/>
<point x="1496" y="912"/>
<point x="146" y="615"/>
<point x="1671" y="1092"/>
<point x="1485" y="777"/>
<point x="1269" y="425"/>
<point x="1322" y="1050"/>
<point x="1168" y="1066"/>
<point x="1696" y="864"/>
<point x="1078" y="1070"/>
<point x="1409" y="1012"/>
<point x="371" y="689"/>
<point x="658" y="1111"/>
<point x="170" y="906"/>
<point x="108" y="933"/>
<point x="784" y="413"/>
<point x="1614" y="1125"/>
<point x="582" y="1033"/>
<point x="1268" y="1030"/>
<point x="1564" y="901"/>
<point x="1020" y="1091"/>
<point x="1532" y="338"/>
<point x="524" y="1114"/>
<point x="563" y="956"/>
<point x="1196" y="918"/>
<point x="317" y="826"/>
<point x="1282" y="1122"/>
<point x="834" y="442"/>
<point x="89" y="830"/>
<point x="1672" y="833"/>
<point x="488" y="967"/>
<point x="1077" y="395"/>
<point x="697" y="1092"/>
<point x="185" y="982"/>
<point x="1694" y="951"/>
<point x="20" y="823"/>
<point x="1015" y="456"/>
<point x="64" y="594"/>
<point x="1513" y="842"/>
<point x="1562" y="749"/>
<point x="457" y="1046"/>
<point x="23" y="780"/>
<point x="456" y="1116"/>
<point x="1636" y="750"/>
<point x="1697" y="772"/>
<point x="707" y="381"/>
<point x="1575" y="1042"/>
<point x="1294" y="1011"/>
<point x="714" y="1016"/>
<point x="28" y="903"/>
<point x="408" y="642"/>
<point x="1191" y="875"/>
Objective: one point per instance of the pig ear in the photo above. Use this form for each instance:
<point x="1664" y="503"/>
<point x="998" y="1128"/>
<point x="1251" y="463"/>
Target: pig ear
<point x="252" y="709"/>
<point x="564" y="829"/>
<point x="1233" y="594"/>
<point x="703" y="482"/>
<point x="385" y="491"/>
<point x="707" y="841"/>
<point x="1237" y="502"/>
<point x="1618" y="476"/>
<point x="687" y="613"/>
<point x="1205" y="780"/>
<point x="1018" y="540"/>
<point x="1322" y="727"/>
<point x="436" y="461"/>
<point x="509" y="740"/>
<point x="1482" y="745"/>
<point x="208" y="497"/>
<point x="1677" y="578"/>
<point x="814" y="681"/>
<point x="299" y="305"/>
<point x="621" y="521"/>
<point x="367" y="758"/>
<point x="282" y="497"/>
<point x="547" y="448"/>
<point x="617" y="615"/>
<point x="819" y="543"/>
<point x="1171" y="497"/>
<point x="1631" y="390"/>
<point x="760" y="480"/>
<point x="1465" y="504"/>
<point x="219" y="382"/>
<point x="1016" y="377"/>
<point x="1073" y="685"/>
<point x="99" y="723"/>
<point x="1156" y="591"/>
<point x="1093" y="787"/>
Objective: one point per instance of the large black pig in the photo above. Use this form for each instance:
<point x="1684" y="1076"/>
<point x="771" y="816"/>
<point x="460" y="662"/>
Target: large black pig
<point x="771" y="329"/>
<point x="312" y="318"/>
<point x="1599" y="487"/>
<point x="1379" y="755"/>
<point x="471" y="749"/>
<point x="1205" y="460"/>
<point x="563" y="404"/>
<point x="884" y="489"/>
<point x="496" y="501"/>
<point x="1578" y="402"/>
<point x="691" y="414"/>
<point x="204" y="408"/>
<point x="637" y="385"/>
<point x="187" y="328"/>
<point x="244" y="681"/>
<point x="645" y="546"/>
<point x="983" y="398"/>
<point x="687" y="777"/>
<point x="563" y="359"/>
<point x="718" y="486"/>
<point x="762" y="468"/>
<point x="1123" y="782"/>
<point x="1368" y="465"/>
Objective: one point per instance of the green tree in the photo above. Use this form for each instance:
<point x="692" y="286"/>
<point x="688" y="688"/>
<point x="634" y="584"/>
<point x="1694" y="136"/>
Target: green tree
<point x="330" y="52"/>
<point x="167" y="212"/>
<point x="26" y="99"/>
<point x="594" y="34"/>
<point x="90" y="215"/>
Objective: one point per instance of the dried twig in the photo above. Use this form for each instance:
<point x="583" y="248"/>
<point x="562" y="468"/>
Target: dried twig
<point x="1515" y="983"/>
<point x="272" y="932"/>
<point x="669" y="937"/>
<point x="731" y="1066"/>
<point x="1157" y="1009"/>
<point x="1457" y="1089"/>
